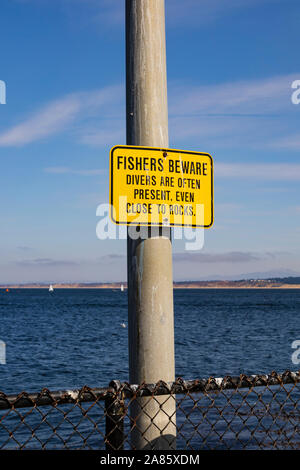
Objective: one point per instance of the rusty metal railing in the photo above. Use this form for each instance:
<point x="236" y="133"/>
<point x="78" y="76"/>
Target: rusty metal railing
<point x="245" y="412"/>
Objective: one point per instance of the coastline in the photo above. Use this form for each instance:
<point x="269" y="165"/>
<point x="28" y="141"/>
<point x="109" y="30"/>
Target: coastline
<point x="187" y="285"/>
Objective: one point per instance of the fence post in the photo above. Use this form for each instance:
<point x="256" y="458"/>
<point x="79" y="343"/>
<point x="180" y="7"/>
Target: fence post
<point x="114" y="419"/>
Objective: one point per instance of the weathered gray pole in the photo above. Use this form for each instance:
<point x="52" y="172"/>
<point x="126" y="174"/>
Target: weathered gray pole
<point x="150" y="279"/>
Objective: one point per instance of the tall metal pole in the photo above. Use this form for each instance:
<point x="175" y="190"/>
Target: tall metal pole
<point x="150" y="279"/>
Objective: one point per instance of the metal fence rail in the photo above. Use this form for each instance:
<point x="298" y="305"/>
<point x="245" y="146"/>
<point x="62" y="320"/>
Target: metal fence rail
<point x="246" y="412"/>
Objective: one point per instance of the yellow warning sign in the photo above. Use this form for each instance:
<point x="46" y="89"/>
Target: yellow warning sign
<point x="162" y="187"/>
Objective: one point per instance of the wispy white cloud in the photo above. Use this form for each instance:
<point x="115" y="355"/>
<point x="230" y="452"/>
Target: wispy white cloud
<point x="62" y="170"/>
<point x="231" y="257"/>
<point x="191" y="12"/>
<point x="105" y="132"/>
<point x="59" y="115"/>
<point x="250" y="112"/>
<point x="197" y="13"/>
<point x="253" y="113"/>
<point x="24" y="248"/>
<point x="86" y="12"/>
<point x="208" y="258"/>
<point x="49" y="120"/>
<point x="46" y="262"/>
<point x="291" y="142"/>
<point x="262" y="171"/>
<point x="109" y="13"/>
<point x="239" y="98"/>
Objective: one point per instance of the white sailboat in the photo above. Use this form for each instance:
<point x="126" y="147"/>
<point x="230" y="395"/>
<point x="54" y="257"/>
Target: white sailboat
<point x="51" y="288"/>
<point x="122" y="287"/>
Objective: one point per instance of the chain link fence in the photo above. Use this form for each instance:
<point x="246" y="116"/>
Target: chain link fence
<point x="246" y="412"/>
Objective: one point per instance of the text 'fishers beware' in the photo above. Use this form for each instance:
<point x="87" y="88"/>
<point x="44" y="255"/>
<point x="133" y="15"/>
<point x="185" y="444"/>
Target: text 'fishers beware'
<point x="162" y="187"/>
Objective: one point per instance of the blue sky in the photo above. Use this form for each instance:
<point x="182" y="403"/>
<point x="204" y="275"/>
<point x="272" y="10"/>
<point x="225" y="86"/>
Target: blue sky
<point x="230" y="64"/>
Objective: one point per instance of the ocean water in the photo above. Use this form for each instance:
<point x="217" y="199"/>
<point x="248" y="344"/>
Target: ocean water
<point x="74" y="337"/>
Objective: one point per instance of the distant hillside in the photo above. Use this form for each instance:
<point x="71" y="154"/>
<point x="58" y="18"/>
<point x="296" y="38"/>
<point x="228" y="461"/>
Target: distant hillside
<point x="243" y="283"/>
<point x="277" y="282"/>
<point x="287" y="280"/>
